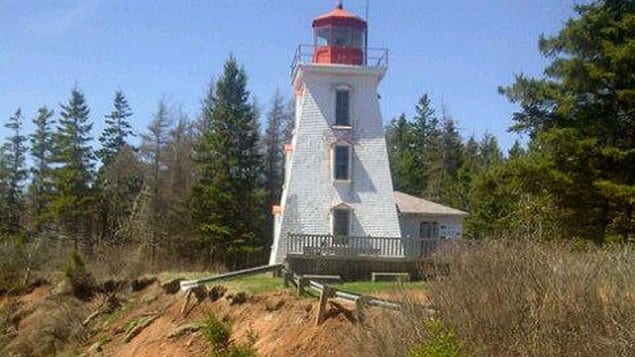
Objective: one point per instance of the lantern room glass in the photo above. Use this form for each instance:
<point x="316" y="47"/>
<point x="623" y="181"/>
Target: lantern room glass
<point x="340" y="36"/>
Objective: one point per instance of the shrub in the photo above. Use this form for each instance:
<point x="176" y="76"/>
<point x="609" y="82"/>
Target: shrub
<point x="81" y="280"/>
<point x="218" y="334"/>
<point x="527" y="298"/>
<point x="509" y="298"/>
<point x="440" y="342"/>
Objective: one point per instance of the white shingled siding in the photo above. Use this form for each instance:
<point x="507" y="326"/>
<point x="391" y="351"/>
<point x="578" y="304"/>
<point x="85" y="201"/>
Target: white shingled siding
<point x="309" y="192"/>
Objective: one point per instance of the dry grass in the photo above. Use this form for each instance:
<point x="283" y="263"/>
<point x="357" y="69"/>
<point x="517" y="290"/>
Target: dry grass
<point x="520" y="298"/>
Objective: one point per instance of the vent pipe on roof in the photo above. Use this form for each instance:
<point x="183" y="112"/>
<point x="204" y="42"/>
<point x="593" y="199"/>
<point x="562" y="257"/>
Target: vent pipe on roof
<point x="339" y="4"/>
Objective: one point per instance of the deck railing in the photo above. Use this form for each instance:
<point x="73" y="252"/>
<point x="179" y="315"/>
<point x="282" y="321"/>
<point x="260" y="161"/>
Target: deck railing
<point x="393" y="247"/>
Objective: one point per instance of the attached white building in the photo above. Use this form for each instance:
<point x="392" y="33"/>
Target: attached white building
<point x="420" y="218"/>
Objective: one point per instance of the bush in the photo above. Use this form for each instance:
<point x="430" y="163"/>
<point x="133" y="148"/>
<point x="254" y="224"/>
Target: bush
<point x="440" y="342"/>
<point x="528" y="298"/>
<point x="516" y="298"/>
<point x="81" y="280"/>
<point x="218" y="334"/>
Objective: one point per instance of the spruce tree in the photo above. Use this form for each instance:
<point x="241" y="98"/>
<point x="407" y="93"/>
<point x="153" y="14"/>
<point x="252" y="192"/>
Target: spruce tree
<point x="153" y="147"/>
<point x="41" y="188"/>
<point x="581" y="117"/>
<point x="401" y="154"/>
<point x="227" y="200"/>
<point x="73" y="176"/>
<point x="15" y="156"/>
<point x="451" y="158"/>
<point x="273" y="142"/>
<point x="117" y="129"/>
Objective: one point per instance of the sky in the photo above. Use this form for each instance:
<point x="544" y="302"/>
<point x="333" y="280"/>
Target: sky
<point x="458" y="51"/>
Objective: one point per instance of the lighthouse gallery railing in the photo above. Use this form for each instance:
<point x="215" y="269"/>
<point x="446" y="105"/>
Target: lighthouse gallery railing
<point x="374" y="57"/>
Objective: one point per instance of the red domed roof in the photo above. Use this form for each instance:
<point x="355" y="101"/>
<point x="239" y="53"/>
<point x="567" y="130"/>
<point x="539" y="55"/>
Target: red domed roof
<point x="339" y="17"/>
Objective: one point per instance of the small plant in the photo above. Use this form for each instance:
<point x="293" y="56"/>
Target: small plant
<point x="218" y="334"/>
<point x="81" y="280"/>
<point x="441" y="342"/>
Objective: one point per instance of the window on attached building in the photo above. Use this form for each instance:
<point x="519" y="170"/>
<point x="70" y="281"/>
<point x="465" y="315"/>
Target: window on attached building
<point x="341" y="221"/>
<point x="429" y="230"/>
<point x="341" y="162"/>
<point x="342" y="110"/>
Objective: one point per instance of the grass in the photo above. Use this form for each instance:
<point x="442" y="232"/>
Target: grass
<point x="374" y="288"/>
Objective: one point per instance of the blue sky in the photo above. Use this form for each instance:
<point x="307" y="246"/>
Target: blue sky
<point x="459" y="51"/>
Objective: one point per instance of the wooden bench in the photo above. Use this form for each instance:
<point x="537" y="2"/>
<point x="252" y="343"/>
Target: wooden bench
<point x="382" y="276"/>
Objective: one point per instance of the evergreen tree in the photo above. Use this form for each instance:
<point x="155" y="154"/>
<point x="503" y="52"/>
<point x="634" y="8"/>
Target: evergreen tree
<point x="117" y="129"/>
<point x="154" y="144"/>
<point x="15" y="156"/>
<point x="227" y="200"/>
<point x="581" y="118"/>
<point x="41" y="188"/>
<point x="273" y="142"/>
<point x="401" y="154"/>
<point x="490" y="153"/>
<point x="516" y="151"/>
<point x="73" y="201"/>
<point x="451" y="158"/>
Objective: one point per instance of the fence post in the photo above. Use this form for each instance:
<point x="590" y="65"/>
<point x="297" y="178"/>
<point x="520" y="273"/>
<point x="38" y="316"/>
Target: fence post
<point x="325" y="294"/>
<point x="360" y="308"/>
<point x="301" y="285"/>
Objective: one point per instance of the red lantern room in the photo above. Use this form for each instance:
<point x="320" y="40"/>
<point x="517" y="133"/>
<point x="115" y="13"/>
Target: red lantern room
<point x="339" y="37"/>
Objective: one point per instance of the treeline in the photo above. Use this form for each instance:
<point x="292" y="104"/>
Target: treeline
<point x="576" y="179"/>
<point x="202" y="189"/>
<point x="191" y="190"/>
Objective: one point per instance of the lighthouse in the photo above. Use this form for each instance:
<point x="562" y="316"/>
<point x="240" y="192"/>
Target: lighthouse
<point x="337" y="182"/>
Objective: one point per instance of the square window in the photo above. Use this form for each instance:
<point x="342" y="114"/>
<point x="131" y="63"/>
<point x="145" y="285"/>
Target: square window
<point x="342" y="112"/>
<point x="341" y="164"/>
<point x="341" y="221"/>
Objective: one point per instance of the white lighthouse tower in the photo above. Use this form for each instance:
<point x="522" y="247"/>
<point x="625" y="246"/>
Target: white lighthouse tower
<point x="337" y="179"/>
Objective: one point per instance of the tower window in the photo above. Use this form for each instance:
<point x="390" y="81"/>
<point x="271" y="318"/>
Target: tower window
<point x="341" y="221"/>
<point x="341" y="162"/>
<point x="342" y="111"/>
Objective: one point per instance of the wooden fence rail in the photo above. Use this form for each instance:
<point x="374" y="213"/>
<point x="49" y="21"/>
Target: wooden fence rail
<point x="327" y="291"/>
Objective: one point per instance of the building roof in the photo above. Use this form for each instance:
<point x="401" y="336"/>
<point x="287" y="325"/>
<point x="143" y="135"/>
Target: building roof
<point x="339" y="17"/>
<point x="415" y="205"/>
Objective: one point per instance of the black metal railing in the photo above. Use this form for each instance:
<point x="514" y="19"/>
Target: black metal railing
<point x="371" y="57"/>
<point x="345" y="246"/>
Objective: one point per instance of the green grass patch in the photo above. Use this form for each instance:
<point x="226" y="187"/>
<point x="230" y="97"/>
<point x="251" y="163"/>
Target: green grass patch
<point x="255" y="284"/>
<point x="373" y="288"/>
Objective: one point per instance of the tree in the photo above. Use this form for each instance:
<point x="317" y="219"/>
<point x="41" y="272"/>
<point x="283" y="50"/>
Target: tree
<point x="273" y="142"/>
<point x="227" y="200"/>
<point x="399" y="139"/>
<point x="15" y="157"/>
<point x="452" y="147"/>
<point x="117" y="129"/>
<point x="73" y="201"/>
<point x="581" y="118"/>
<point x="41" y="188"/>
<point x="153" y="147"/>
<point x="279" y="122"/>
<point x="516" y="151"/>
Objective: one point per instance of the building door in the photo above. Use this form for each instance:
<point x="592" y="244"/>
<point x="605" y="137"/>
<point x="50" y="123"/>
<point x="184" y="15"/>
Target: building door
<point x="429" y="230"/>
